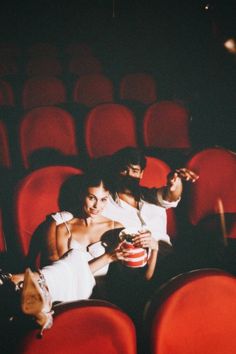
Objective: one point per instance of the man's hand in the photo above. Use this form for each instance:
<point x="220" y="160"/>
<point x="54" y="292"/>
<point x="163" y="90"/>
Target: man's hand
<point x="175" y="178"/>
<point x="144" y="239"/>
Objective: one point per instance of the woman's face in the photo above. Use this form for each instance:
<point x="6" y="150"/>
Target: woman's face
<point x="95" y="201"/>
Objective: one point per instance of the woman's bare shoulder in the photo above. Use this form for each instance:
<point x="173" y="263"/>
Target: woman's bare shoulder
<point x="117" y="225"/>
<point x="112" y="223"/>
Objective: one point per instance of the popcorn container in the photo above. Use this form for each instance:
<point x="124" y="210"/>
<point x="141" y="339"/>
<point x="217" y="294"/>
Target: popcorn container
<point x="137" y="257"/>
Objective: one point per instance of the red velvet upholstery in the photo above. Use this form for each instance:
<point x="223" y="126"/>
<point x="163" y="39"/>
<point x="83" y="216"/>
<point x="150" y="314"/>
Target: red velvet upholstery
<point x="10" y="49"/>
<point x="43" y="66"/>
<point x="5" y="159"/>
<point x="36" y="197"/>
<point x="86" y="327"/>
<point x="84" y="65"/>
<point x="8" y="66"/>
<point x="93" y="89"/>
<point x="217" y="169"/>
<point x="43" y="49"/>
<point x="9" y="54"/>
<point x="43" y="91"/>
<point x="155" y="175"/>
<point x="6" y="94"/>
<point x="2" y="236"/>
<point x="166" y="125"/>
<point x="108" y="128"/>
<point x="47" y="127"/>
<point x="78" y="49"/>
<point x="194" y="314"/>
<point x="138" y="87"/>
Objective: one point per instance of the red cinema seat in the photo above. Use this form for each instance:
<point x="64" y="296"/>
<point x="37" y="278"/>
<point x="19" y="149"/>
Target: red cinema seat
<point x="43" y="66"/>
<point x="215" y="190"/>
<point x="93" y="89"/>
<point x="8" y="66"/>
<point x="108" y="128"/>
<point x="89" y="326"/>
<point x="194" y="314"/>
<point x="47" y="127"/>
<point x="43" y="49"/>
<point x="43" y="91"/>
<point x="140" y="87"/>
<point x="6" y="94"/>
<point x="9" y="55"/>
<point x="155" y="175"/>
<point x="78" y="49"/>
<point x="36" y="196"/>
<point x="83" y="65"/>
<point x="10" y="50"/>
<point x="166" y="125"/>
<point x="3" y="246"/>
<point x="5" y="158"/>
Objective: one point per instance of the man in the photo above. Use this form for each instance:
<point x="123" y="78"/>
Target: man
<point x="139" y="207"/>
<point x="142" y="210"/>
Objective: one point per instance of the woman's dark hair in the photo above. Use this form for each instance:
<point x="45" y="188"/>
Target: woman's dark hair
<point x="75" y="189"/>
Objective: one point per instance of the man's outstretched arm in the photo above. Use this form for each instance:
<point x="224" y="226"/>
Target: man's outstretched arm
<point x="173" y="191"/>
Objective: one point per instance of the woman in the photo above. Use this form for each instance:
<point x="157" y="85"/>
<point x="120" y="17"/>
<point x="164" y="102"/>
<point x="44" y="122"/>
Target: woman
<point x="86" y="244"/>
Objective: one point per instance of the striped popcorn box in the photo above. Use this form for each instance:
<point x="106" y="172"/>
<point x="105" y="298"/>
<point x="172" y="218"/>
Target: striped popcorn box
<point x="137" y="257"/>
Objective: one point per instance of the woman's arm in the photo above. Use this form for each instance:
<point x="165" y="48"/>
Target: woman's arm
<point x="51" y="242"/>
<point x="62" y="237"/>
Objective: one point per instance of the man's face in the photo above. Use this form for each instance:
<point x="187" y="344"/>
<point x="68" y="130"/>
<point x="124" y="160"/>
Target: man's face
<point x="132" y="171"/>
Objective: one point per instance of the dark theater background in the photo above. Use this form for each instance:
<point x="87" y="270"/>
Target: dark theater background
<point x="186" y="48"/>
<point x="181" y="43"/>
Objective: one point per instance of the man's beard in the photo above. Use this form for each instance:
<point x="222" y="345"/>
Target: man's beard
<point x="129" y="185"/>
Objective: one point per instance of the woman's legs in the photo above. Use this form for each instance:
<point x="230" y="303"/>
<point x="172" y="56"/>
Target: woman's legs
<point x="69" y="278"/>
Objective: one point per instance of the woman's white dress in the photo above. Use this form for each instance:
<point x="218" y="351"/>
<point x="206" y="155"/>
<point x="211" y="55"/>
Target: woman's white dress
<point x="70" y="278"/>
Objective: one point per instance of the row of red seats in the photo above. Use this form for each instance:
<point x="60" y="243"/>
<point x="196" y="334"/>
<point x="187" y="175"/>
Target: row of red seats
<point x="45" y="58"/>
<point x="209" y="200"/>
<point x="39" y="49"/>
<point x="90" y="89"/>
<point x="192" y="313"/>
<point x="51" y="66"/>
<point x="107" y="128"/>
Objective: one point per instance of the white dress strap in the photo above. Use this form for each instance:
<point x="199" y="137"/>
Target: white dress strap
<point x="62" y="216"/>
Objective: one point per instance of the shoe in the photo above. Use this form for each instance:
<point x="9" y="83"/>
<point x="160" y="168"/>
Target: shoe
<point x="36" y="300"/>
<point x="4" y="277"/>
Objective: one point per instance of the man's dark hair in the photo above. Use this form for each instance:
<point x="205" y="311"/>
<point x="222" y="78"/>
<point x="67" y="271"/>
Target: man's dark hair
<point x="126" y="156"/>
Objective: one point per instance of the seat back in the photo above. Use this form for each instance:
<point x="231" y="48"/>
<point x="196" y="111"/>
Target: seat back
<point x="39" y="49"/>
<point x="87" y="326"/>
<point x="78" y="49"/>
<point x="216" y="185"/>
<point x="5" y="159"/>
<point x="43" y="66"/>
<point x="155" y="175"/>
<point x="38" y="192"/>
<point x="3" y="246"/>
<point x="108" y="128"/>
<point x="83" y="65"/>
<point x="6" y="94"/>
<point x="93" y="89"/>
<point x="166" y="125"/>
<point x="140" y="87"/>
<point x="194" y="313"/>
<point x="43" y="91"/>
<point x="47" y="127"/>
